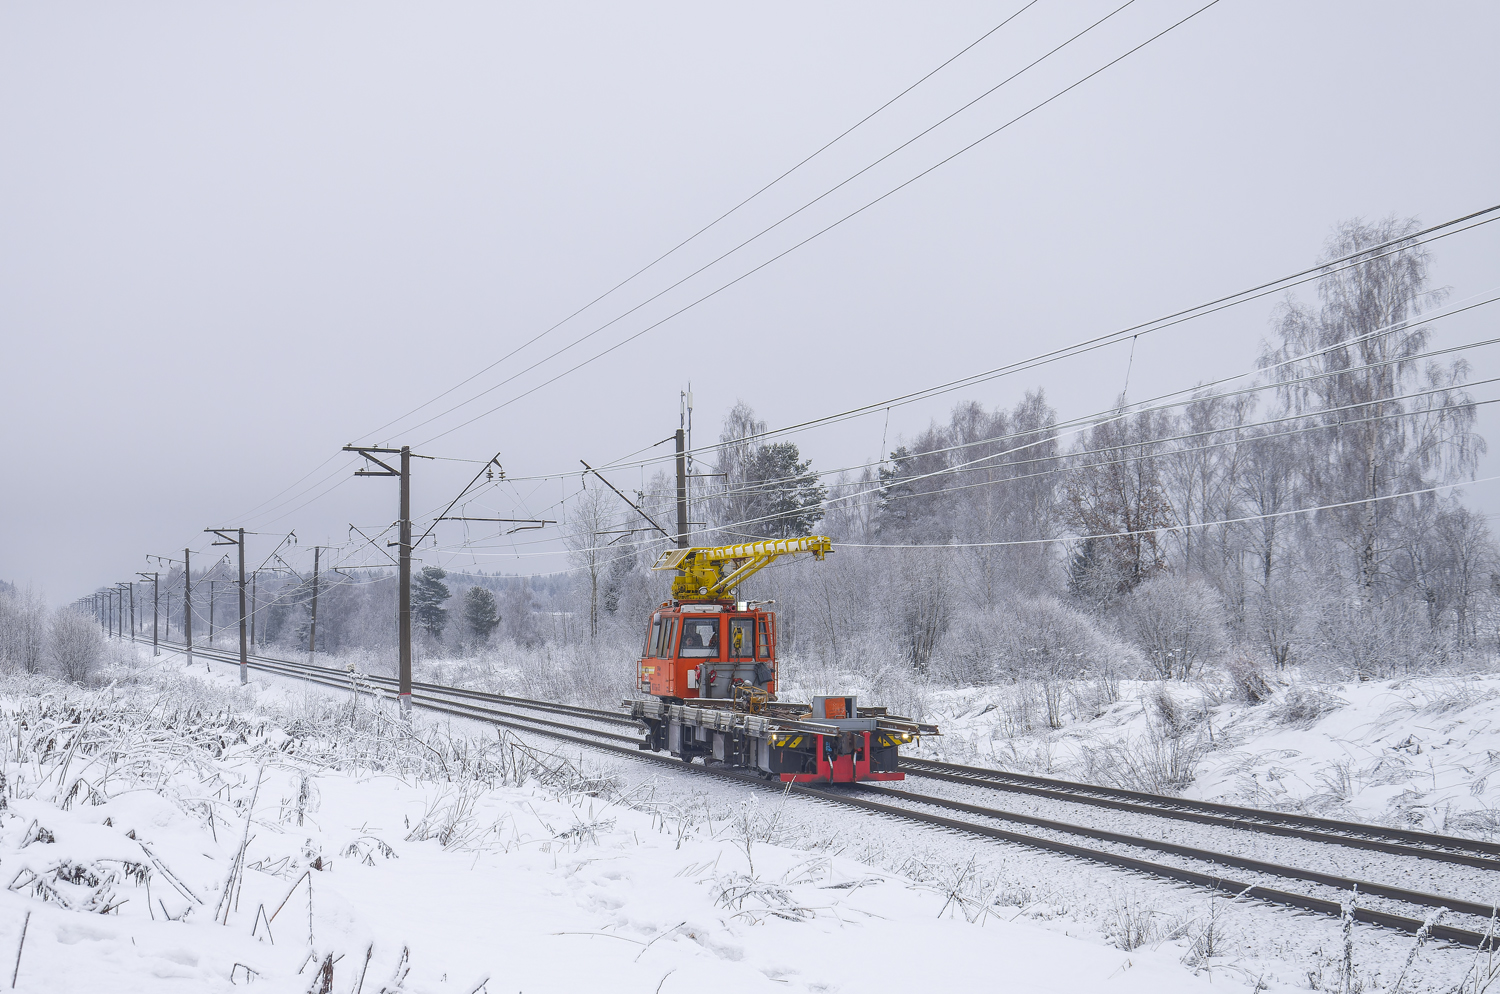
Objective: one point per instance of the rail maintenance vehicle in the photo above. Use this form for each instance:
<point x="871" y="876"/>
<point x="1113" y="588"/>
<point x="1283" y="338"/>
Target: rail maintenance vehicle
<point x="708" y="676"/>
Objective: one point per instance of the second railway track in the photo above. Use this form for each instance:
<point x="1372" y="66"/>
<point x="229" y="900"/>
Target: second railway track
<point x="985" y="821"/>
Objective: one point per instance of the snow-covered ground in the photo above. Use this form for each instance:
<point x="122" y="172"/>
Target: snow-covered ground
<point x="1416" y="752"/>
<point x="450" y="859"/>
<point x="456" y="864"/>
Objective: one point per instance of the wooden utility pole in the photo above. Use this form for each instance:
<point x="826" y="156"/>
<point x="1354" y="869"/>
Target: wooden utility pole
<point x="155" y="596"/>
<point x="312" y="629"/>
<point x="403" y="613"/>
<point x="236" y="536"/>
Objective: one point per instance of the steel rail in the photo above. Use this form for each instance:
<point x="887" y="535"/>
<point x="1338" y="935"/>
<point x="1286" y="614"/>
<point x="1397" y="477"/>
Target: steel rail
<point x="1355" y="834"/>
<point x="1446" y="855"/>
<point x="591" y="714"/>
<point x="1203" y="855"/>
<point x="1211" y="881"/>
<point x="341" y="680"/>
<point x="1216" y="882"/>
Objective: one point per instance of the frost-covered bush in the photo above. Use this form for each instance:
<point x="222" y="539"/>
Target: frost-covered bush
<point x="1369" y="639"/>
<point x="23" y="631"/>
<point x="1276" y="621"/>
<point x="1248" y="679"/>
<point x="1157" y="762"/>
<point x="597" y="673"/>
<point x="1304" y="706"/>
<point x="75" y="645"/>
<point x="1173" y="716"/>
<point x="1032" y="638"/>
<point x="1177" y="621"/>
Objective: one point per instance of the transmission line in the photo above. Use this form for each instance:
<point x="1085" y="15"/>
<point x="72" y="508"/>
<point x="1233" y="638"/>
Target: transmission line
<point x="694" y="236"/>
<point x="804" y="241"/>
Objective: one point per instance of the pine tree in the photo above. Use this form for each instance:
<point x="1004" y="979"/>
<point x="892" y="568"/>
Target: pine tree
<point x="480" y="615"/>
<point x="428" y="592"/>
<point x="784" y="497"/>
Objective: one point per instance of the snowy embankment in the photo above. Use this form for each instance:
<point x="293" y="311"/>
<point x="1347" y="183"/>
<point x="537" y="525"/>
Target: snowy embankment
<point x="192" y="837"/>
<point x="1417" y="752"/>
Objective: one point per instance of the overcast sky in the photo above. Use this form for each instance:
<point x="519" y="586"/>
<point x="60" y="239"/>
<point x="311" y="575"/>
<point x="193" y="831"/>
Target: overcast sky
<point x="236" y="237"/>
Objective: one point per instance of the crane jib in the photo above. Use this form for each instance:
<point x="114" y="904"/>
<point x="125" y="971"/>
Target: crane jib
<point x="711" y="574"/>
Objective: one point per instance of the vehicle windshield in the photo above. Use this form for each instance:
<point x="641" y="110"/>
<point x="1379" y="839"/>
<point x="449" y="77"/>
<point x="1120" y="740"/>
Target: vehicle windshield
<point x="700" y="637"/>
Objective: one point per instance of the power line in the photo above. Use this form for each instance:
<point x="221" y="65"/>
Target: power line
<point x="1067" y="464"/>
<point x="1157" y="324"/>
<point x="1363" y="256"/>
<point x="671" y="251"/>
<point x="1197" y="394"/>
<point x="821" y="231"/>
<point x="764" y="231"/>
<point x="1181" y="527"/>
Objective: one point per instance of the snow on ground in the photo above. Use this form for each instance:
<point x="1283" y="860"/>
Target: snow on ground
<point x="436" y="862"/>
<point x="1417" y="752"/>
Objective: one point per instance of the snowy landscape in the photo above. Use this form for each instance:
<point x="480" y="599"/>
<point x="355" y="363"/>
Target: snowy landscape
<point x="173" y="830"/>
<point x="535" y="499"/>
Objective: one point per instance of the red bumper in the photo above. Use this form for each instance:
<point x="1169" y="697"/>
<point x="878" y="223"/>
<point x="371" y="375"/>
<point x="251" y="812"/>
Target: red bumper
<point x="851" y="768"/>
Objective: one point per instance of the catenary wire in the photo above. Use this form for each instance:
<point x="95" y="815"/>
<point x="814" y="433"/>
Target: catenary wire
<point x="824" y="230"/>
<point x="682" y="244"/>
<point x="773" y="226"/>
<point x="1195" y="393"/>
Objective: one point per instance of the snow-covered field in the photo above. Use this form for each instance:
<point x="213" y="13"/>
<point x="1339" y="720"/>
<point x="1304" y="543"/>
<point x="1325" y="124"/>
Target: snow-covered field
<point x="179" y="833"/>
<point x="1416" y="752"/>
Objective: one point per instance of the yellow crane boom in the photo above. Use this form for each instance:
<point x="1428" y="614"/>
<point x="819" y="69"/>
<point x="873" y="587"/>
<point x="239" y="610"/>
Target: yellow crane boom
<point x="711" y="574"/>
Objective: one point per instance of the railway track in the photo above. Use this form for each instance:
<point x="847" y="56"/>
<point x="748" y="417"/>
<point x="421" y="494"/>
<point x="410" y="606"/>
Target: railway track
<point x="1203" y="869"/>
<point x="1399" y="842"/>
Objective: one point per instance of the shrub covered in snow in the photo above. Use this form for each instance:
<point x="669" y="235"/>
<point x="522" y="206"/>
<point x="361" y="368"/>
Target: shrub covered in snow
<point x="1177" y="621"/>
<point x="75" y="645"/>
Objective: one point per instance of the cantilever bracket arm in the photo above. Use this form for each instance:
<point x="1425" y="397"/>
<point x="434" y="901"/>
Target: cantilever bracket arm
<point x="356" y="528"/>
<point x="366" y="451"/>
<point x="224" y="537"/>
<point x="634" y="507"/>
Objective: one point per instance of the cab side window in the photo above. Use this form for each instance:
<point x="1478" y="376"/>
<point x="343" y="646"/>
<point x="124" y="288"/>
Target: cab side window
<point x="665" y="630"/>
<point x="742" y="638"/>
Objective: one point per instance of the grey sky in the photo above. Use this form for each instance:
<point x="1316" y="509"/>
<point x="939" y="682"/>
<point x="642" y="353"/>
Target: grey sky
<point x="234" y="238"/>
